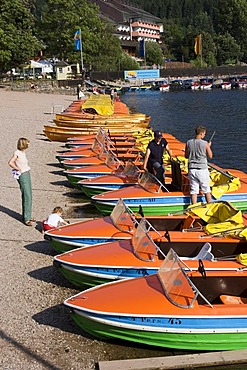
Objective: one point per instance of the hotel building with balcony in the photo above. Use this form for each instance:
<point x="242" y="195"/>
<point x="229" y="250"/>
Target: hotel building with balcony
<point x="132" y="24"/>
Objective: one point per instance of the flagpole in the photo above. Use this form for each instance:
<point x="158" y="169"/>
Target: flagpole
<point x="82" y="66"/>
<point x="201" y="49"/>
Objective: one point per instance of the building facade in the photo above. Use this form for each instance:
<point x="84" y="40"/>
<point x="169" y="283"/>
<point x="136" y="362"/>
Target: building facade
<point x="132" y="24"/>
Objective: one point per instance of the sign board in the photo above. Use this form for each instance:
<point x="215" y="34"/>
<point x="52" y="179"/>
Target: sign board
<point x="141" y="74"/>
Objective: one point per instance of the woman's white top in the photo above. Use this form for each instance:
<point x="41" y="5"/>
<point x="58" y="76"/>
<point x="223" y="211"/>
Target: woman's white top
<point x="54" y="219"/>
<point x="21" y="160"/>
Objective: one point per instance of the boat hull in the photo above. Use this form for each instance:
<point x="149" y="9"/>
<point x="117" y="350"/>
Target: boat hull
<point x="90" y="191"/>
<point x="106" y="208"/>
<point x="82" y="281"/>
<point x="159" y="209"/>
<point x="185" y="341"/>
<point x="66" y="245"/>
<point x="162" y="203"/>
<point x="88" y="172"/>
<point x="62" y="134"/>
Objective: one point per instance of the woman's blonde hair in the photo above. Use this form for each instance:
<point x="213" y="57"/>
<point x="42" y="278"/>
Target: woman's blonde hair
<point x="22" y="143"/>
<point x="57" y="209"/>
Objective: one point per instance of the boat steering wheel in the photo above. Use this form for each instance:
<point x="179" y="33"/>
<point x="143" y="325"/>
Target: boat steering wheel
<point x="201" y="269"/>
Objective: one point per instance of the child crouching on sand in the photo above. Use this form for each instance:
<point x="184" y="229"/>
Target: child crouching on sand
<point x="54" y="220"/>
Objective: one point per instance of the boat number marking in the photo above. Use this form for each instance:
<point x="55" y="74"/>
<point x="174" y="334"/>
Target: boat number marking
<point x="147" y="200"/>
<point x="175" y="321"/>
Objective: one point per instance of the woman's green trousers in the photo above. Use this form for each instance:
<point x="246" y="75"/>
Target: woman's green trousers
<point x="26" y="194"/>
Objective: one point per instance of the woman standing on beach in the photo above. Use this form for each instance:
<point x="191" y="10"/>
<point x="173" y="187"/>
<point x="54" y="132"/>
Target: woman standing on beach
<point x="19" y="163"/>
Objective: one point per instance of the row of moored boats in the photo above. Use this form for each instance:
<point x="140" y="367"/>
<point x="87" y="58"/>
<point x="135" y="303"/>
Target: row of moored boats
<point x="152" y="269"/>
<point x="180" y="84"/>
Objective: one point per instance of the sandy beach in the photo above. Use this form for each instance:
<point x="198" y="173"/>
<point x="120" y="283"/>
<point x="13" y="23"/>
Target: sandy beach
<point x="37" y="331"/>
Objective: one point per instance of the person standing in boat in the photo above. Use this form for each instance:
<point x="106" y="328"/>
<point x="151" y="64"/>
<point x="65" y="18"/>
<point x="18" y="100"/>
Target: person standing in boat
<point x="198" y="151"/>
<point x="19" y="163"/>
<point x="153" y="161"/>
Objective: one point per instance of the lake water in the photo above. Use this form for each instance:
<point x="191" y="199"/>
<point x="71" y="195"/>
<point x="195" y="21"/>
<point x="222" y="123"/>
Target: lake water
<point x="179" y="112"/>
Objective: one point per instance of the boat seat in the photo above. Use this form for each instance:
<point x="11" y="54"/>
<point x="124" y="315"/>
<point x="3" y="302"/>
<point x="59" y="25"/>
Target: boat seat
<point x="197" y="225"/>
<point x="176" y="175"/>
<point x="231" y="299"/>
<point x="204" y="254"/>
<point x="188" y="223"/>
<point x="185" y="184"/>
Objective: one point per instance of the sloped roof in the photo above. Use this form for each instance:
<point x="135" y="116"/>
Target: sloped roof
<point x="122" y="11"/>
<point x="61" y="64"/>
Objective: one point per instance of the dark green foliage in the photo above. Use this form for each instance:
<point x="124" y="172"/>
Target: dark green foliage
<point x="18" y="42"/>
<point x="127" y="63"/>
<point x="153" y="54"/>
<point x="185" y="19"/>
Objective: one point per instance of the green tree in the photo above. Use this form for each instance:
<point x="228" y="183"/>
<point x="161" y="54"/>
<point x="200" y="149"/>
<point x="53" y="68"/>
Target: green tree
<point x="18" y="43"/>
<point x="231" y="18"/>
<point x="103" y="49"/>
<point x="228" y="50"/>
<point x="203" y="23"/>
<point x="174" y="34"/>
<point x="209" y="50"/>
<point x="126" y="62"/>
<point x="61" y="18"/>
<point x="153" y="53"/>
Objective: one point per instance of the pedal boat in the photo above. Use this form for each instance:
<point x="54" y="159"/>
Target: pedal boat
<point x="185" y="232"/>
<point x="169" y="309"/>
<point x="157" y="199"/>
<point x="81" y="142"/>
<point x="123" y="152"/>
<point x="117" y="226"/>
<point x="75" y="175"/>
<point x="91" y="141"/>
<point x="91" y="157"/>
<point x="96" y="149"/>
<point x="136" y="257"/>
<point x="112" y="166"/>
<point x="118" y="180"/>
<point x="62" y="133"/>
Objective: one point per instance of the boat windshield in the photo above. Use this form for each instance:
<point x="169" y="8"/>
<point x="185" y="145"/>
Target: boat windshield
<point x="143" y="245"/>
<point x="96" y="146"/>
<point x="122" y="217"/>
<point x="112" y="161"/>
<point x="149" y="182"/>
<point x="103" y="153"/>
<point x="177" y="286"/>
<point x="101" y="136"/>
<point x="131" y="170"/>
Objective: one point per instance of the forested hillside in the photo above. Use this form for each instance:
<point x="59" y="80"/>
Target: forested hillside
<point x="222" y="23"/>
<point x="182" y="9"/>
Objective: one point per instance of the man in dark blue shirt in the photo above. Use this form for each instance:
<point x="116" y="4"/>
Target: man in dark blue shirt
<point x="153" y="161"/>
